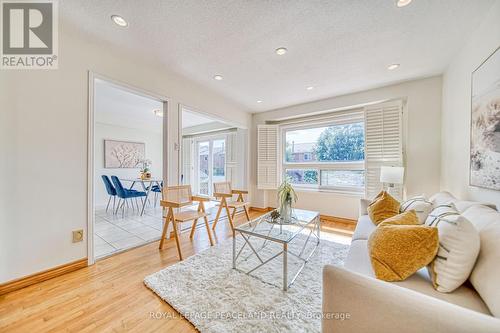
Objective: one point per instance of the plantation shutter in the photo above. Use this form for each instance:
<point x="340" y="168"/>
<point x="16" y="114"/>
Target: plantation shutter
<point x="231" y="159"/>
<point x="267" y="157"/>
<point x="383" y="144"/>
<point x="187" y="160"/>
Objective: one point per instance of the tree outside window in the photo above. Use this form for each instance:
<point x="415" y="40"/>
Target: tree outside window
<point x="320" y="150"/>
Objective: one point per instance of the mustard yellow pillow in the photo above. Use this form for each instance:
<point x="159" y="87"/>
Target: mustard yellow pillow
<point x="407" y="218"/>
<point x="383" y="207"/>
<point x="398" y="250"/>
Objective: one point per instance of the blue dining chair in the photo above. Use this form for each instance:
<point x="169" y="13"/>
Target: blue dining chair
<point x="124" y="194"/>
<point x="111" y="191"/>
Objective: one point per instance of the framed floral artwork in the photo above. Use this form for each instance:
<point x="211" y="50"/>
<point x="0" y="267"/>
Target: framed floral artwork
<point x="485" y="124"/>
<point x="123" y="154"/>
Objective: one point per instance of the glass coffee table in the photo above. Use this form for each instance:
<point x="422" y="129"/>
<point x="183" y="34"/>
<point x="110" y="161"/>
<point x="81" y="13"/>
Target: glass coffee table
<point x="305" y="222"/>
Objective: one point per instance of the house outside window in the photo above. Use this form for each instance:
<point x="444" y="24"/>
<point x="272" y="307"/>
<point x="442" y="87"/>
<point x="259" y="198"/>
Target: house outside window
<point x="327" y="156"/>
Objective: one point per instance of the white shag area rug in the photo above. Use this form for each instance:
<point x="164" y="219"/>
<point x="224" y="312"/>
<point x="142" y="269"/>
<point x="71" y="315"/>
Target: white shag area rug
<point x="215" y="298"/>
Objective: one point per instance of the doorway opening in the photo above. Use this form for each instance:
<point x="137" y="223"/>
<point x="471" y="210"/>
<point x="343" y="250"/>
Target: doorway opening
<point x="213" y="151"/>
<point x="128" y="167"/>
<point x="210" y="163"/>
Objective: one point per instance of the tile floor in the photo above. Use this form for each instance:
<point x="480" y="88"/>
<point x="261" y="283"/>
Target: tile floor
<point x="114" y="233"/>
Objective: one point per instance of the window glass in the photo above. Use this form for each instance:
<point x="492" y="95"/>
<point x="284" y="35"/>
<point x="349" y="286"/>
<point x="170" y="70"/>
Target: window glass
<point x="302" y="176"/>
<point x="219" y="160"/>
<point x="326" y="144"/>
<point x="203" y="175"/>
<point x="343" y="178"/>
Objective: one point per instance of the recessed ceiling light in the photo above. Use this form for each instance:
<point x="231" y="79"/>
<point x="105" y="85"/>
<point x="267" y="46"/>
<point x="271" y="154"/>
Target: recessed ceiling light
<point x="392" y="67"/>
<point x="281" y="50"/>
<point x="158" y="112"/>
<point x="402" y="3"/>
<point x="310" y="88"/>
<point x="218" y="77"/>
<point x="259" y="102"/>
<point x="120" y="21"/>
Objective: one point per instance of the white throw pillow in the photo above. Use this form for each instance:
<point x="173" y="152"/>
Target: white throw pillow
<point x="440" y="211"/>
<point x="420" y="204"/>
<point x="459" y="246"/>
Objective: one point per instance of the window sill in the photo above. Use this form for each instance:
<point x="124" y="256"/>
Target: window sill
<point x="330" y="191"/>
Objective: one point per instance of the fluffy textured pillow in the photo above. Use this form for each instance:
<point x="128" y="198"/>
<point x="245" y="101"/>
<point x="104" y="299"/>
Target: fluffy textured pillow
<point x="383" y="207"/>
<point x="420" y="204"/>
<point x="459" y="245"/>
<point x="398" y="250"/>
<point x="407" y="218"/>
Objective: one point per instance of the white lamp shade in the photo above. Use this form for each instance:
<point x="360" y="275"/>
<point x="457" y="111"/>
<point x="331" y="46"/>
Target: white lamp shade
<point x="392" y="175"/>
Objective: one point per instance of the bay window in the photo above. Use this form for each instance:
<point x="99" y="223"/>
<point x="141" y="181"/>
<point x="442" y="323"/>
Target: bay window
<point x="327" y="155"/>
<point x="341" y="151"/>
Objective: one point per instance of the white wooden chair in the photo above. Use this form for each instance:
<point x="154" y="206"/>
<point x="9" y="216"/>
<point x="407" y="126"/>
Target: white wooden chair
<point x="176" y="197"/>
<point x="224" y="192"/>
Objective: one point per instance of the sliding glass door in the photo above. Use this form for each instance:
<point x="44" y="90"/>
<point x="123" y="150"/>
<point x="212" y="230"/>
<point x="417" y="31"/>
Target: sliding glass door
<point x="219" y="161"/>
<point x="210" y="164"/>
<point x="203" y="179"/>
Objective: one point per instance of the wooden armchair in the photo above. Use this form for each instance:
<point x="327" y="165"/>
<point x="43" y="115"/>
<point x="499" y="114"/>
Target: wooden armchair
<point x="177" y="197"/>
<point x="224" y="192"/>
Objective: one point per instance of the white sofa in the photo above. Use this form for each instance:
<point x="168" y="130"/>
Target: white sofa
<point x="355" y="301"/>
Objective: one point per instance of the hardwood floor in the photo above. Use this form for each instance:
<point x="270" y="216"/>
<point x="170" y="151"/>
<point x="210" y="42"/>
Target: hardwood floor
<point x="110" y="295"/>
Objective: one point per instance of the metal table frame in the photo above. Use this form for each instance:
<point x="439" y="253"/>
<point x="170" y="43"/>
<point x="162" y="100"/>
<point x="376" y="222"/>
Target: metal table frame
<point x="313" y="224"/>
<point x="146" y="189"/>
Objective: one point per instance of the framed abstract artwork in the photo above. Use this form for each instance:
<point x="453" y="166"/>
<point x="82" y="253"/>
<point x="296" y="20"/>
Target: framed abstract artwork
<point x="123" y="154"/>
<point x="485" y="124"/>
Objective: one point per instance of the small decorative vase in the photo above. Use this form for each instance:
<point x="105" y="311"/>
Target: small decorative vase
<point x="286" y="211"/>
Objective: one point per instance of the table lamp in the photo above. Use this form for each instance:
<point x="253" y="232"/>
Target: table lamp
<point x="391" y="175"/>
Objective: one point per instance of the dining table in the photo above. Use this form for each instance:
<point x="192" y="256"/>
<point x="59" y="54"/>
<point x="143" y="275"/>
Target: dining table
<point x="147" y="184"/>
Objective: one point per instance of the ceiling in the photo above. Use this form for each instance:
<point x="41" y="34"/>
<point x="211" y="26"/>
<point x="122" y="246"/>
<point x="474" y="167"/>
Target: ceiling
<point x="118" y="106"/>
<point x="190" y="119"/>
<point x="337" y="46"/>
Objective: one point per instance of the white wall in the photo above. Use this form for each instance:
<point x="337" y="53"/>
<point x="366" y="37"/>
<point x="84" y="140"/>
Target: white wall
<point x="423" y="137"/>
<point x="7" y="164"/>
<point x="44" y="138"/>
<point x="152" y="140"/>
<point x="457" y="110"/>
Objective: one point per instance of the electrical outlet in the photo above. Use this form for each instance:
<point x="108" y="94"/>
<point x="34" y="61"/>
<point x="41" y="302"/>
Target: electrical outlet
<point x="77" y="236"/>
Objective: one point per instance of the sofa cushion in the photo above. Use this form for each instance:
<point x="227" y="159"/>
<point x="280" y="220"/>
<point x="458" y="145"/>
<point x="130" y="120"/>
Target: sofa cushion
<point x="364" y="228"/>
<point x="363" y="206"/>
<point x="463" y="205"/>
<point x="442" y="198"/>
<point x="400" y="246"/>
<point x="358" y="260"/>
<point x="446" y="198"/>
<point x="383" y="207"/>
<point x="486" y="272"/>
<point x="464" y="295"/>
